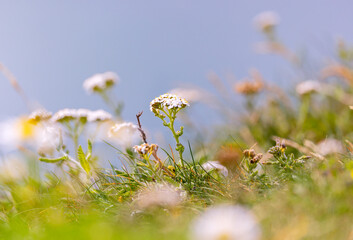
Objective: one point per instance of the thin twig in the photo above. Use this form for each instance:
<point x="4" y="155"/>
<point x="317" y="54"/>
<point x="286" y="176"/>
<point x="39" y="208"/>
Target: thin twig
<point x="143" y="134"/>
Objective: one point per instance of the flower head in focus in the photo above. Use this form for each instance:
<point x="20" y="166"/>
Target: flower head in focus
<point x="100" y="82"/>
<point x="168" y="101"/>
<point x="159" y="195"/>
<point x="226" y="222"/>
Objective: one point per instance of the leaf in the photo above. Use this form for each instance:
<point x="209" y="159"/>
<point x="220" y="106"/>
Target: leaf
<point x="52" y="160"/>
<point x="89" y="150"/>
<point x="83" y="161"/>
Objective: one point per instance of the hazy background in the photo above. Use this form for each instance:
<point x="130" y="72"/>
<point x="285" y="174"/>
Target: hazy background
<point x="53" y="46"/>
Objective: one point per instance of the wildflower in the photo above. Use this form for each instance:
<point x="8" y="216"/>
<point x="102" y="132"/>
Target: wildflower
<point x="124" y="134"/>
<point x="226" y="222"/>
<point x="15" y="132"/>
<point x="159" y="195"/>
<point x="99" y="115"/>
<point x="266" y="21"/>
<point x="145" y="148"/>
<point x="40" y="115"/>
<point x="81" y="114"/>
<point x="307" y="87"/>
<point x="100" y="82"/>
<point x="170" y="105"/>
<point x="215" y="165"/>
<point x="170" y="101"/>
<point x="47" y="139"/>
<point x="256" y="158"/>
<point x="70" y="114"/>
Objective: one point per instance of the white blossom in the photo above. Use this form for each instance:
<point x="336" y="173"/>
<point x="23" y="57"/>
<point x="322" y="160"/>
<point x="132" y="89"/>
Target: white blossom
<point x="266" y="20"/>
<point x="159" y="195"/>
<point x="226" y="222"/>
<point x="211" y="165"/>
<point x="124" y="134"/>
<point x="169" y="101"/>
<point x="329" y="146"/>
<point x="48" y="138"/>
<point x="308" y="87"/>
<point x="40" y="115"/>
<point x="99" y="115"/>
<point x="15" y="132"/>
<point x="100" y="82"/>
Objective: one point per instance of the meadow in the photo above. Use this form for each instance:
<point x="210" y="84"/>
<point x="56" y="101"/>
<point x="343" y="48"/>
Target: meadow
<point x="283" y="170"/>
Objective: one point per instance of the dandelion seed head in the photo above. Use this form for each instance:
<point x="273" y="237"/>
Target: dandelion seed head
<point x="170" y="101"/>
<point x="226" y="222"/>
<point x="100" y="82"/>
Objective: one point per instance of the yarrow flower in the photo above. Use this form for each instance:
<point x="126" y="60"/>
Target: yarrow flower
<point x="84" y="114"/>
<point x="100" y="82"/>
<point x="145" y="148"/>
<point x="99" y="115"/>
<point x="226" y="222"/>
<point x="159" y="195"/>
<point x="215" y="165"/>
<point x="40" y="115"/>
<point x="170" y="101"/>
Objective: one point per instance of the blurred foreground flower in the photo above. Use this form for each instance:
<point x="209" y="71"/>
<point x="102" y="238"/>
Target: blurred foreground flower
<point x="100" y="82"/>
<point x="226" y="222"/>
<point x="215" y="165"/>
<point x="160" y="195"/>
<point x="249" y="87"/>
<point x="68" y="114"/>
<point x="307" y="87"/>
<point x="125" y="134"/>
<point x="12" y="169"/>
<point x="15" y="132"/>
<point x="266" y="21"/>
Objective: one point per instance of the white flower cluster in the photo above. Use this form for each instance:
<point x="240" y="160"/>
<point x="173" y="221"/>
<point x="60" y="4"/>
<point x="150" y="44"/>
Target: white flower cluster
<point x="226" y="222"/>
<point x="266" y="20"/>
<point x="169" y="101"/>
<point x="100" y="82"/>
<point x="142" y="149"/>
<point x="40" y="115"/>
<point x="309" y="86"/>
<point x="160" y="195"/>
<point x="211" y="165"/>
<point x="91" y="116"/>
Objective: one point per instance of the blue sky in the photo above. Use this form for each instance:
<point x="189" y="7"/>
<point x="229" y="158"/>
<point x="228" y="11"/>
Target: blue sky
<point x="53" y="46"/>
